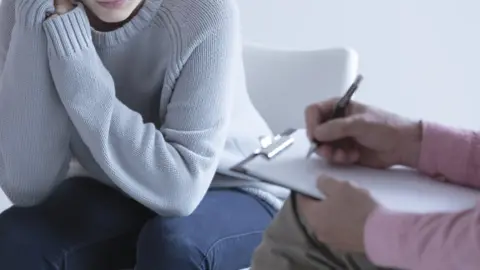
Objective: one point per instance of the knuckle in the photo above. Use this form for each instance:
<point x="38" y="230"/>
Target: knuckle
<point x="334" y="100"/>
<point x="357" y="107"/>
<point x="310" y="108"/>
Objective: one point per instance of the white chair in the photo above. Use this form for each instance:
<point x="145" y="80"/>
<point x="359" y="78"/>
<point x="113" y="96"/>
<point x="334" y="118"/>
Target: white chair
<point x="282" y="83"/>
<point x="4" y="202"/>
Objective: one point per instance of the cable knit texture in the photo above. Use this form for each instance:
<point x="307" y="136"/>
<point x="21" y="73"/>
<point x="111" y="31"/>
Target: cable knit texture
<point x="154" y="108"/>
<point x="443" y="241"/>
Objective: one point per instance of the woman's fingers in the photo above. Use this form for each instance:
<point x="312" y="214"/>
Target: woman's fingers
<point x="63" y="6"/>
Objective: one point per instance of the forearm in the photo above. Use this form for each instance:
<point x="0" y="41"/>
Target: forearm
<point x="7" y="21"/>
<point x="166" y="176"/>
<point x="34" y="126"/>
<point x="167" y="169"/>
<point x="452" y="154"/>
<point x="427" y="242"/>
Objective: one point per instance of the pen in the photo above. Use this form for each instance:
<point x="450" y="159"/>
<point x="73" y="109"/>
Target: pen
<point x="340" y="109"/>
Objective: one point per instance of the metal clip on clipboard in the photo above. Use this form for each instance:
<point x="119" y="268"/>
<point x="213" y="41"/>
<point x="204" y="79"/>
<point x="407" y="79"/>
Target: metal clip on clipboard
<point x="278" y="144"/>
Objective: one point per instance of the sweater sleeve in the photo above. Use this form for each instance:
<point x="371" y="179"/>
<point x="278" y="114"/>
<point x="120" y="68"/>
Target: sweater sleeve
<point x="168" y="169"/>
<point x="7" y="20"/>
<point x="34" y="126"/>
<point x="453" y="154"/>
<point x="424" y="242"/>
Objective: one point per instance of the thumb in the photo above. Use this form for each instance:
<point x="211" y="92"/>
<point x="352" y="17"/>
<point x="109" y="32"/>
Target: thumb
<point x="337" y="129"/>
<point x="328" y="185"/>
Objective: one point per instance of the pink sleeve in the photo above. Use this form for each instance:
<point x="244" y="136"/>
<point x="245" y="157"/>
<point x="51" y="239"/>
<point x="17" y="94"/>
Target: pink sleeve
<point x="426" y="242"/>
<point x="433" y="241"/>
<point x="452" y="154"/>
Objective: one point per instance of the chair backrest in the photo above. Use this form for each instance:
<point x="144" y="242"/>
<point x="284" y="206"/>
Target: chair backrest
<point x="281" y="83"/>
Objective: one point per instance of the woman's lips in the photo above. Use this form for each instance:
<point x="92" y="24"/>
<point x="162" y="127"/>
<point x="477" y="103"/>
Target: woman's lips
<point x="112" y="4"/>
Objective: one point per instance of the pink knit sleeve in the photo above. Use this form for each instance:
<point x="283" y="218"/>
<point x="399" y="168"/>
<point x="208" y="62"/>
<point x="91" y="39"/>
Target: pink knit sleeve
<point x="433" y="241"/>
<point x="453" y="154"/>
<point x="424" y="242"/>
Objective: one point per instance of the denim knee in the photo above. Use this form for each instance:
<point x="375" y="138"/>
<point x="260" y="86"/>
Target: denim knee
<point x="164" y="245"/>
<point x="21" y="244"/>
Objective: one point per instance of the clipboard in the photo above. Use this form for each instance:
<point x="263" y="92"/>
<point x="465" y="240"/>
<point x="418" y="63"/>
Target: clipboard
<point x="282" y="162"/>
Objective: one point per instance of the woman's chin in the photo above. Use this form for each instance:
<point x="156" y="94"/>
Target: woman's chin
<point x="113" y="18"/>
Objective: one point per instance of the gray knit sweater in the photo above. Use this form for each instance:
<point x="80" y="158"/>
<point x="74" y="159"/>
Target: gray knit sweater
<point x="157" y="108"/>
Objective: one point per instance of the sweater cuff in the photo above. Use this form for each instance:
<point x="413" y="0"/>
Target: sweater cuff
<point x="68" y="34"/>
<point x="32" y="14"/>
<point x="385" y="234"/>
<point x="444" y="151"/>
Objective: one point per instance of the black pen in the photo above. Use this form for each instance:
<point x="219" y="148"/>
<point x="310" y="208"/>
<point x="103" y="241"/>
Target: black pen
<point x="340" y="109"/>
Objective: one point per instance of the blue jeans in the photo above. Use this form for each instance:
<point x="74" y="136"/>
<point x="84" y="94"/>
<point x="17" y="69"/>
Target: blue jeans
<point x="85" y="225"/>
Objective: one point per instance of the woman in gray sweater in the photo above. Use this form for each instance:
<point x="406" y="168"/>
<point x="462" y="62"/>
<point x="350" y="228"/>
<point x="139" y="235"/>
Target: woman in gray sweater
<point x="149" y="96"/>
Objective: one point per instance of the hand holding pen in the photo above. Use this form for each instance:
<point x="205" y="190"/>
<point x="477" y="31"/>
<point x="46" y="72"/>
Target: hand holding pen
<point x="339" y="110"/>
<point x="364" y="135"/>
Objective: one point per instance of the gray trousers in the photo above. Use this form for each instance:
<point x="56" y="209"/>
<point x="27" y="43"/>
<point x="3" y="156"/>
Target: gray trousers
<point x="288" y="244"/>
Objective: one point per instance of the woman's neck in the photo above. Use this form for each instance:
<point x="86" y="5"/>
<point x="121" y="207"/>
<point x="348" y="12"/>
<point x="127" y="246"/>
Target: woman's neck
<point x="102" y="26"/>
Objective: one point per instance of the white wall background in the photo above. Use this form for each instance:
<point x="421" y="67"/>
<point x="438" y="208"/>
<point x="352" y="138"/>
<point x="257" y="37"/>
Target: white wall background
<point x="420" y="58"/>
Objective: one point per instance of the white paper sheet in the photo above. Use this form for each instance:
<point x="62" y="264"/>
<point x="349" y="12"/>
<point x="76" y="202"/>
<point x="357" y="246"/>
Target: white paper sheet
<point x="399" y="189"/>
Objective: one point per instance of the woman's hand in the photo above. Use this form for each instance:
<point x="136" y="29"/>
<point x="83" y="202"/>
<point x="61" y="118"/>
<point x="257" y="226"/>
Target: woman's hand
<point x="62" y="7"/>
<point x="375" y="138"/>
